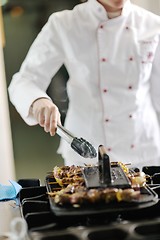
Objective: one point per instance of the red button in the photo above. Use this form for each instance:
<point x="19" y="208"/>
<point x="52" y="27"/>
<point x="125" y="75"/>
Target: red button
<point x="103" y="59"/>
<point x="131" y="59"/>
<point x="101" y="26"/>
<point x="150" y="55"/>
<point x="104" y="90"/>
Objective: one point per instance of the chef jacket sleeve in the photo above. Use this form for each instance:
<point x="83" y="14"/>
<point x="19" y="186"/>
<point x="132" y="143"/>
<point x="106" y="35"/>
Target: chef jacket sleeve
<point x="43" y="60"/>
<point x="155" y="82"/>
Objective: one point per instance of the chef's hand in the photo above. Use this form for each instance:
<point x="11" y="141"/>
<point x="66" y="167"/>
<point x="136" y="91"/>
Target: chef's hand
<point x="47" y="114"/>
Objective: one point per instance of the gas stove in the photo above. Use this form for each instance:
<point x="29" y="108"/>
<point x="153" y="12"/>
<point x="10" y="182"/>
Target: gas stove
<point x="43" y="224"/>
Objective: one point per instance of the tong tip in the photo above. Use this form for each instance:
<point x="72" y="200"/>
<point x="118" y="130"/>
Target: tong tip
<point x="84" y="148"/>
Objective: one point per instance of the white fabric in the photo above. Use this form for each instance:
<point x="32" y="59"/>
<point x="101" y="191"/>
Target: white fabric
<point x="114" y="82"/>
<point x="7" y="170"/>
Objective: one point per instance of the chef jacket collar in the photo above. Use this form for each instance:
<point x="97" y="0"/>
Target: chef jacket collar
<point x="100" y="11"/>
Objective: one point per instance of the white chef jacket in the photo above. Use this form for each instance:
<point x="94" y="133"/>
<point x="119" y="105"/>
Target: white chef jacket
<point x="114" y="83"/>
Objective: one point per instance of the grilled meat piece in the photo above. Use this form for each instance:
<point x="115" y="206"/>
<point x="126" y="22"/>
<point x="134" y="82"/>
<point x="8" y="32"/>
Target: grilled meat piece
<point x="68" y="175"/>
<point x="75" y="193"/>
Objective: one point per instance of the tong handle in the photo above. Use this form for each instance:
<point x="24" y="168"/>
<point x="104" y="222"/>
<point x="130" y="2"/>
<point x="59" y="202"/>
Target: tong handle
<point x="80" y="145"/>
<point x="64" y="133"/>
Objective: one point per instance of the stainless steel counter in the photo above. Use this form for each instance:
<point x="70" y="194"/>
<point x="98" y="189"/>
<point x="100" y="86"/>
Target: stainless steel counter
<point x="11" y="221"/>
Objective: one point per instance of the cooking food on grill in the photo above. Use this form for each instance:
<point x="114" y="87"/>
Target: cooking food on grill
<point x="68" y="175"/>
<point x="74" y="192"/>
<point x="138" y="179"/>
<point x="78" y="196"/>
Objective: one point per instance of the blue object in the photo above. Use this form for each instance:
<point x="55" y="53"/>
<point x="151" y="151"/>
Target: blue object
<point x="9" y="192"/>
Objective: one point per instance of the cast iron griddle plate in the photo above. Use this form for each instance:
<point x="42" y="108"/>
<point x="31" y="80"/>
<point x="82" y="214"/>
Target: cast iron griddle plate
<point x="147" y="198"/>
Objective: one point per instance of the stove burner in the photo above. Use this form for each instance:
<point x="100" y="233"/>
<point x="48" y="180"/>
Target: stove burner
<point x="43" y="224"/>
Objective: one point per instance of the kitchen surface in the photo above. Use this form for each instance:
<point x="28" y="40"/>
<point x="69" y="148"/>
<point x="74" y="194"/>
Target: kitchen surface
<point x="9" y="212"/>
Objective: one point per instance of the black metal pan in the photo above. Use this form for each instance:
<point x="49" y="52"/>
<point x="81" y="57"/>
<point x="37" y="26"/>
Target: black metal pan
<point x="147" y="198"/>
<point x="103" y="176"/>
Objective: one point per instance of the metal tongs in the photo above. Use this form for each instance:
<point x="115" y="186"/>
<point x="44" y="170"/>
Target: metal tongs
<point x="80" y="145"/>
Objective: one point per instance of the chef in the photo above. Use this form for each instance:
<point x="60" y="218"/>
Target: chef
<point x="111" y="50"/>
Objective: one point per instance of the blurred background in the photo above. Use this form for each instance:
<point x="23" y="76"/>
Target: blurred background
<point x="34" y="150"/>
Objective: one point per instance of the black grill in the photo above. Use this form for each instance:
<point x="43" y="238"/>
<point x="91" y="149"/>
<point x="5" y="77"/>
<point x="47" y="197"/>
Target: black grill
<point x="43" y="224"/>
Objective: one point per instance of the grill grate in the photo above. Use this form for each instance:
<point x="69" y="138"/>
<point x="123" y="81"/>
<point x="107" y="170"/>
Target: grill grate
<point x="43" y="224"/>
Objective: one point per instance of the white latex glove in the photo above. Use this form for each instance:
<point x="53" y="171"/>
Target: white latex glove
<point x="47" y="114"/>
